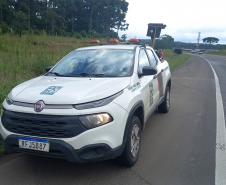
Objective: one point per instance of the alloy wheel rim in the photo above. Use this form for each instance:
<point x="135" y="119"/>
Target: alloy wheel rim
<point x="135" y="141"/>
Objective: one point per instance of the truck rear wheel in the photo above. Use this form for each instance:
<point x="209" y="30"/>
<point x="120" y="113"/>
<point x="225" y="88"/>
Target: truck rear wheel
<point x="165" y="105"/>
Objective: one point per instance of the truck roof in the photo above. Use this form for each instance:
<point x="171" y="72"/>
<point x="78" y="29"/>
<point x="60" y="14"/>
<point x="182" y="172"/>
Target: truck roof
<point x="115" y="46"/>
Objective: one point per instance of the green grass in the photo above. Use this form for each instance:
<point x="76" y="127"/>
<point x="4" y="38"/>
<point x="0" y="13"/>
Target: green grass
<point x="24" y="58"/>
<point x="2" y="150"/>
<point x="220" y="52"/>
<point x="174" y="59"/>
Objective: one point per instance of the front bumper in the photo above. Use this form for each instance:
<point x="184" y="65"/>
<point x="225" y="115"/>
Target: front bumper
<point x="100" y="143"/>
<point x="62" y="150"/>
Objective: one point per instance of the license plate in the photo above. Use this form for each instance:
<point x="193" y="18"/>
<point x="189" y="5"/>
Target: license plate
<point x="34" y="144"/>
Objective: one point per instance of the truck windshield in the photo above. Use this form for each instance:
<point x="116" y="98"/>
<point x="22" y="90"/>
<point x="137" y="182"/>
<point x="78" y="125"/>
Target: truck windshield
<point x="101" y="62"/>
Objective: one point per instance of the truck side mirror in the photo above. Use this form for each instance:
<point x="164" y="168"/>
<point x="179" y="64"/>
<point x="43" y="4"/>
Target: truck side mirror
<point x="48" y="68"/>
<point x="148" y="70"/>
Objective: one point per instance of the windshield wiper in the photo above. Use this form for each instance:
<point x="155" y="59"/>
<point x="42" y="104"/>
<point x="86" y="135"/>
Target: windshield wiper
<point x="78" y="74"/>
<point x="55" y="73"/>
<point x="98" y="75"/>
<point x="85" y="74"/>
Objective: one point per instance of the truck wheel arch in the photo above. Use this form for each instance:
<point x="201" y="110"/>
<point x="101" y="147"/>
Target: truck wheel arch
<point x="138" y="110"/>
<point x="169" y="83"/>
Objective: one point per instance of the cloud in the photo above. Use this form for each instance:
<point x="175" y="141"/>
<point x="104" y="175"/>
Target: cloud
<point x="184" y="19"/>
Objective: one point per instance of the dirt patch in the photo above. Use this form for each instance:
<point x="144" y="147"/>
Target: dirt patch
<point x="3" y="79"/>
<point x="37" y="43"/>
<point x="33" y="74"/>
<point x="60" y="45"/>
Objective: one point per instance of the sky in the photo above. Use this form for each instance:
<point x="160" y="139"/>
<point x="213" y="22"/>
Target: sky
<point x="183" y="19"/>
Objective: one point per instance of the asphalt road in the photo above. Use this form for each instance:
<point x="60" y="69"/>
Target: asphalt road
<point x="177" y="148"/>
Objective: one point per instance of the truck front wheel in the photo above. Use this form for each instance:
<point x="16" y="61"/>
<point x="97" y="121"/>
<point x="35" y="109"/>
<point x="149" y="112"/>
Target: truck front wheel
<point x="131" y="151"/>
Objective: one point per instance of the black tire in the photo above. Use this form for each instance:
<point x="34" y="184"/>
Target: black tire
<point x="165" y="105"/>
<point x="127" y="157"/>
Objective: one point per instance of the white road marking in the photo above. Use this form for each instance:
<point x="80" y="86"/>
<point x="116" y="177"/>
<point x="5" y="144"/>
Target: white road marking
<point x="220" y="168"/>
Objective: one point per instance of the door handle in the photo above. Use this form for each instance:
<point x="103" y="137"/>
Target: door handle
<point x="162" y="70"/>
<point x="155" y="77"/>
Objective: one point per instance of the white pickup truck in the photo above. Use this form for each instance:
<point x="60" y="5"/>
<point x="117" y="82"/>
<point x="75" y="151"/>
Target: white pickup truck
<point x="91" y="106"/>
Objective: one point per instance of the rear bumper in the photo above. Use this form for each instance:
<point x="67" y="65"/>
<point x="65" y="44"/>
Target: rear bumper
<point x="61" y="149"/>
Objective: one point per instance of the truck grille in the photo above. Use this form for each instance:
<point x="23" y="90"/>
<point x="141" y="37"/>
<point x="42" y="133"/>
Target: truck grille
<point x="42" y="125"/>
<point x="37" y="122"/>
<point x="38" y="131"/>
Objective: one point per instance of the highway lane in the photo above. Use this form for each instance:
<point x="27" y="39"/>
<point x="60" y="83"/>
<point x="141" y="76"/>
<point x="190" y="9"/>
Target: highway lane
<point x="219" y="64"/>
<point x="220" y="157"/>
<point x="221" y="57"/>
<point x="177" y="148"/>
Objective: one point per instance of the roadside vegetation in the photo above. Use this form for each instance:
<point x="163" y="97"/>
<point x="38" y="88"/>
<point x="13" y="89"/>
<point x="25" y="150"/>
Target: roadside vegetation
<point x="71" y="18"/>
<point x="220" y="52"/>
<point x="2" y="150"/>
<point x="27" y="57"/>
<point x="23" y="58"/>
<point x="174" y="59"/>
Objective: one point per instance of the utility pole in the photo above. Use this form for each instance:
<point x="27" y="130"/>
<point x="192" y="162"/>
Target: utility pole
<point x="197" y="47"/>
<point x="29" y="16"/>
<point x="53" y="18"/>
<point x="97" y="22"/>
<point x="1" y="19"/>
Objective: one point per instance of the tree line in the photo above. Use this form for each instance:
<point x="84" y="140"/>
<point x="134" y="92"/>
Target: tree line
<point x="163" y="42"/>
<point x="167" y="42"/>
<point x="99" y="18"/>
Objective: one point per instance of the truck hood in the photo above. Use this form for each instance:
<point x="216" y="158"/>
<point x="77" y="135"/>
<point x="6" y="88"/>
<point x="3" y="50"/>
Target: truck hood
<point x="67" y="90"/>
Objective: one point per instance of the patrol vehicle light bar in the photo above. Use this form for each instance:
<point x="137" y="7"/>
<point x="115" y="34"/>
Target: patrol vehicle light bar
<point x="113" y="41"/>
<point x="94" y="42"/>
<point x="133" y="40"/>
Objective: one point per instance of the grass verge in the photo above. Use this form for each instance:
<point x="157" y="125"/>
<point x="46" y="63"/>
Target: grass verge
<point x="2" y="150"/>
<point x="174" y="59"/>
<point x="220" y="52"/>
<point x="24" y="58"/>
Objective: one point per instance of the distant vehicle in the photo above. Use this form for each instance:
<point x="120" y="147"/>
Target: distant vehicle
<point x="199" y="52"/>
<point x="193" y="51"/>
<point x="178" y="51"/>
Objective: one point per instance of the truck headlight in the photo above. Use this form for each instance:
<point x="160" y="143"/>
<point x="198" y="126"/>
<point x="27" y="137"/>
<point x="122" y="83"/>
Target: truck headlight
<point x="9" y="100"/>
<point x="98" y="103"/>
<point x="95" y="120"/>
